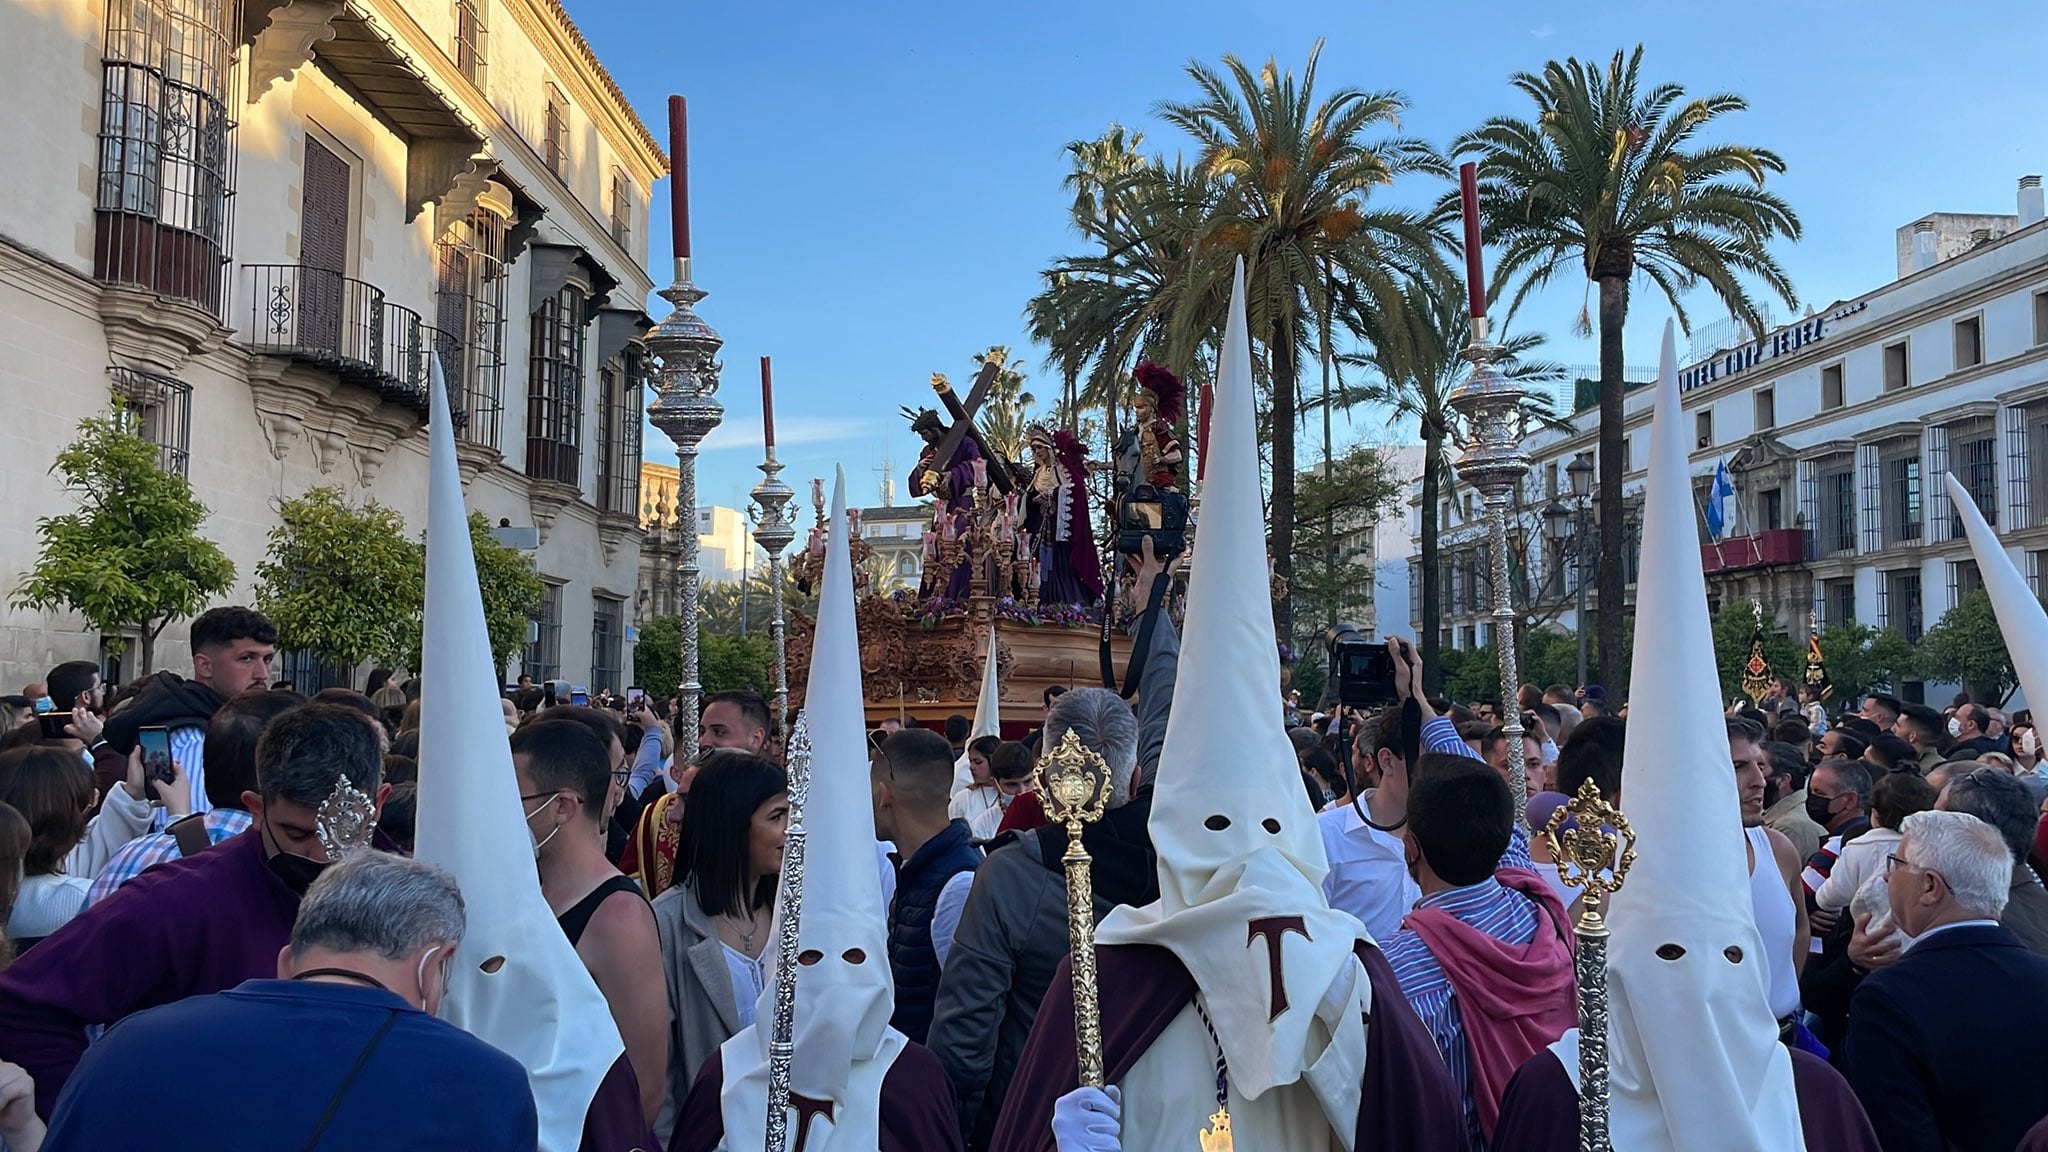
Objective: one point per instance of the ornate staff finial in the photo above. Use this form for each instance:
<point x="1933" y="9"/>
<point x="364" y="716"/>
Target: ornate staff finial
<point x="1593" y="856"/>
<point x="345" y="821"/>
<point x="1074" y="785"/>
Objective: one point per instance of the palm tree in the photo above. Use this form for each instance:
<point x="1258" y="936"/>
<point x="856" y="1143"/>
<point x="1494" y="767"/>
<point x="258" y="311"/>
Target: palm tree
<point x="1298" y="173"/>
<point x="1613" y="178"/>
<point x="1414" y="366"/>
<point x="1005" y="412"/>
<point x="1101" y="170"/>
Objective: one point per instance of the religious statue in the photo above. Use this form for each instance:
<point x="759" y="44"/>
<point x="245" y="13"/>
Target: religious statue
<point x="951" y="483"/>
<point x="1150" y="453"/>
<point x="1056" y="516"/>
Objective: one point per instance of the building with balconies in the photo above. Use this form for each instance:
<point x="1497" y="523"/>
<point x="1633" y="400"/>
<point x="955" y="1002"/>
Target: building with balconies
<point x="1835" y="430"/>
<point x="259" y="223"/>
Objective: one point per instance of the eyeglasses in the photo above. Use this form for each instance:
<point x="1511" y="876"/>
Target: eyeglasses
<point x="1891" y="861"/>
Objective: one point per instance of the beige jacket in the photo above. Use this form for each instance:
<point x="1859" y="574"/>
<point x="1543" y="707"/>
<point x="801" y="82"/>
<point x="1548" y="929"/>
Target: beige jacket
<point x="702" y="1011"/>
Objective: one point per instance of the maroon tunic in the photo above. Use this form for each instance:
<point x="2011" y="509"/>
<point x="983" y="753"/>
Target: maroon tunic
<point x="1540" y="1111"/>
<point x="615" y="1122"/>
<point x="1406" y="1100"/>
<point x="917" y="1108"/>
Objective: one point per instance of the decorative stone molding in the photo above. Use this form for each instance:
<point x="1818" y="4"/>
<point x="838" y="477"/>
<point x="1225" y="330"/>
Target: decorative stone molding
<point x="546" y="499"/>
<point x="436" y="168"/>
<point x="286" y="395"/>
<point x="471" y="459"/>
<point x="287" y="41"/>
<point x="471" y="182"/>
<point x="613" y="530"/>
<point x="153" y="333"/>
<point x="369" y="460"/>
<point x="279" y="430"/>
<point x="329" y="446"/>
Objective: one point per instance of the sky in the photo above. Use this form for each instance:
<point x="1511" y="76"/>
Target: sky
<point x="876" y="187"/>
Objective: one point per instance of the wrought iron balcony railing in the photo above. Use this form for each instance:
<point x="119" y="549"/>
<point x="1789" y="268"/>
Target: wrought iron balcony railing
<point x="321" y="317"/>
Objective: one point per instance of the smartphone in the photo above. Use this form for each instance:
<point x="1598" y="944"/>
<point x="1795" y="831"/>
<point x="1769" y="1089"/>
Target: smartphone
<point x="54" y="724"/>
<point x="634" y="695"/>
<point x="155" y="742"/>
<point x="579" y="697"/>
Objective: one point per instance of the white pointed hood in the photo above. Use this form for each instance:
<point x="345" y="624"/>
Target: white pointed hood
<point x="844" y="1044"/>
<point x="2019" y="614"/>
<point x="540" y="1005"/>
<point x="1241" y="860"/>
<point x="988" y="713"/>
<point x="1694" y="1052"/>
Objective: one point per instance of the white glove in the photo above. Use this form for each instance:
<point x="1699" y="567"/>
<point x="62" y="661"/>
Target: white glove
<point x="1337" y="997"/>
<point x="1085" y="1120"/>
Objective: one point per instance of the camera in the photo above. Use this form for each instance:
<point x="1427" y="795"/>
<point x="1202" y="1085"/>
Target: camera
<point x="1147" y="511"/>
<point x="1362" y="670"/>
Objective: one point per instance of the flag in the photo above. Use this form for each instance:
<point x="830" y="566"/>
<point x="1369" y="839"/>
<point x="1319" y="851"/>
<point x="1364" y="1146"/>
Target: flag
<point x="1718" y="496"/>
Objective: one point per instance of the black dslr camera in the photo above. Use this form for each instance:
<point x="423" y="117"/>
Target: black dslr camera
<point x="1163" y="516"/>
<point x="1362" y="670"/>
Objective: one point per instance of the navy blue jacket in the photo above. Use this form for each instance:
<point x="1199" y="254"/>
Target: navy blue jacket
<point x="913" y="962"/>
<point x="1945" y="1048"/>
<point x="257" y="1066"/>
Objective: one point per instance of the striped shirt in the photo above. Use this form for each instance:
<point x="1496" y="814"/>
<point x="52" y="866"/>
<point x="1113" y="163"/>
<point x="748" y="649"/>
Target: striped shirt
<point x="1488" y="907"/>
<point x="146" y="852"/>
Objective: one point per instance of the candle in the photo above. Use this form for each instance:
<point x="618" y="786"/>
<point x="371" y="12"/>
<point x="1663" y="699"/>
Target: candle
<point x="981" y="473"/>
<point x="1475" y="255"/>
<point x="817" y="493"/>
<point x="1202" y="432"/>
<point x="767" y="406"/>
<point x="679" y="175"/>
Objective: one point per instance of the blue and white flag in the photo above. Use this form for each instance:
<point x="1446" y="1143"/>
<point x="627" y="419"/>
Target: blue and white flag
<point x="1717" y="501"/>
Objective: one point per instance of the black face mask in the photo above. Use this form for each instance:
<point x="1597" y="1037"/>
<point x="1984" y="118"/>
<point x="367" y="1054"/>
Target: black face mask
<point x="1818" y="808"/>
<point x="298" y="872"/>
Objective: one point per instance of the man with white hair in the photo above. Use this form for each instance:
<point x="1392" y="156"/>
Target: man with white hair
<point x="341" y="1049"/>
<point x="1944" y="1046"/>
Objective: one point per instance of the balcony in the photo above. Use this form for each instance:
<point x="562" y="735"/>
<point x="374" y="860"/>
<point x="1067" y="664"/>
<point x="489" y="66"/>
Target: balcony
<point x="341" y="324"/>
<point x="1763" y="550"/>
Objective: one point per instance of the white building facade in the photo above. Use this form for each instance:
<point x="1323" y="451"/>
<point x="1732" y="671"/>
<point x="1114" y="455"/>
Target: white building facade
<point x="257" y="222"/>
<point x="1836" y="430"/>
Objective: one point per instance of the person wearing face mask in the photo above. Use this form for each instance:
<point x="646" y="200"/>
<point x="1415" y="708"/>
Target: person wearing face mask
<point x="203" y="925"/>
<point x="564" y="774"/>
<point x="339" y="1048"/>
<point x="1970" y="729"/>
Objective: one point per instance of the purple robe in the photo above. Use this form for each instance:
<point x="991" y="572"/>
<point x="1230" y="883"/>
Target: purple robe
<point x="960" y="478"/>
<point x="615" y="1122"/>
<point x="189" y="927"/>
<point x="1406" y="1100"/>
<point x="917" y="1108"/>
<point x="1540" y="1110"/>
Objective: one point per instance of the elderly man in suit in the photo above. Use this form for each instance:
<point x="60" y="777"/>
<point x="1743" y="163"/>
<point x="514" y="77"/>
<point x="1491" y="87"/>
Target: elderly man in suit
<point x="1943" y="1047"/>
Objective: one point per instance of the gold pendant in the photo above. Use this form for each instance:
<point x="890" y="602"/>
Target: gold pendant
<point x="1216" y="1137"/>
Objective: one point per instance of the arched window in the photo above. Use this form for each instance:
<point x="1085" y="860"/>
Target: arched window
<point x="470" y="312"/>
<point x="166" y="166"/>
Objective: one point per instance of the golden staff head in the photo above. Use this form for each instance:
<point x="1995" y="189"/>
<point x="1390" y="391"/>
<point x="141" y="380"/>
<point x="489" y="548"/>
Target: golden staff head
<point x="1074" y="785"/>
<point x="1594" y="855"/>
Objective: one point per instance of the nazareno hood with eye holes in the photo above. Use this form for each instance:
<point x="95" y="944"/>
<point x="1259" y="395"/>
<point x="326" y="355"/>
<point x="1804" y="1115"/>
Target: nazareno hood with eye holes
<point x="1240" y="859"/>
<point x="844" y="1045"/>
<point x="1695" y="1061"/>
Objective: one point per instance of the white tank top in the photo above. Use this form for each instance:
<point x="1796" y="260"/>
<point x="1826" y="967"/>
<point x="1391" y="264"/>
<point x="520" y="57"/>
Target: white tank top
<point x="1777" y="919"/>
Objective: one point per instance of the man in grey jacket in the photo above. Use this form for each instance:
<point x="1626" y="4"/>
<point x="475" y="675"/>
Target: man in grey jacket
<point x="1013" y="931"/>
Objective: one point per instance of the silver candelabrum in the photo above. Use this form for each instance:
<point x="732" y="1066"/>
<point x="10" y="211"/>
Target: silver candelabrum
<point x="1494" y="462"/>
<point x="774" y="532"/>
<point x="687" y="410"/>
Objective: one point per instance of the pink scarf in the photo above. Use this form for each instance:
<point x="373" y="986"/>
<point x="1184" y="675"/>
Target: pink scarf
<point x="1513" y="999"/>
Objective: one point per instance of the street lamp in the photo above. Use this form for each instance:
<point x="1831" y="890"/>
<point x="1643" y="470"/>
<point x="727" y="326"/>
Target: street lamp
<point x="1557" y="526"/>
<point x="1580" y="472"/>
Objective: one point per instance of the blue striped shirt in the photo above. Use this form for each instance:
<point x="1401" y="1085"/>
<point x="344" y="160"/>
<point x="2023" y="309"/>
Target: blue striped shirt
<point x="1488" y="907"/>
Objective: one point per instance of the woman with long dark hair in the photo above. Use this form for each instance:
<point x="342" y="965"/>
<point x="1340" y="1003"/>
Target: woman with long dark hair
<point x="54" y="790"/>
<point x="715" y="924"/>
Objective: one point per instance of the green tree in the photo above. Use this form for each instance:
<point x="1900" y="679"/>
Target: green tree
<point x="658" y="656"/>
<point x="1967" y="647"/>
<point x="719" y="605"/>
<point x="1734" y="631"/>
<point x="1549" y="656"/>
<point x="512" y="591"/>
<point x="342" y="582"/>
<point x="131" y="556"/>
<point x="1333" y="506"/>
<point x="1100" y="174"/>
<point x="728" y="662"/>
<point x="1862" y="659"/>
<point x="1414" y="366"/>
<point x="1609" y="179"/>
<point x="1299" y="173"/>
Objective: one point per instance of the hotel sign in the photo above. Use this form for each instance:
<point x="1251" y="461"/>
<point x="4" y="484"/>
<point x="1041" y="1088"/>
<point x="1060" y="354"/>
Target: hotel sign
<point x="1736" y="361"/>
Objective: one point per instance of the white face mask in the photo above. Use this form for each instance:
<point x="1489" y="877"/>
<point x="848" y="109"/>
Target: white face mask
<point x="2028" y="743"/>
<point x="1955" y="727"/>
<point x="543" y="841"/>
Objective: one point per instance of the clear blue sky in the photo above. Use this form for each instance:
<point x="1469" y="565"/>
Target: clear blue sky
<point x="875" y="187"/>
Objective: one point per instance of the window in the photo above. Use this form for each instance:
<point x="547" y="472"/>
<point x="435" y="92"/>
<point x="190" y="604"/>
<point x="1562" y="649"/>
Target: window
<point x="1969" y="342"/>
<point x="542" y="659"/>
<point x="1766" y="408"/>
<point x="1840" y="601"/>
<point x="1703" y="428"/>
<point x="470" y="308"/>
<point x="622" y="208"/>
<point x="1895" y="369"/>
<point x="309" y="674"/>
<point x="1831" y="387"/>
<point x="469" y="39"/>
<point x="1550" y="479"/>
<point x="606" y="635"/>
<point x="1963" y="579"/>
<point x="1901" y="499"/>
<point x="2041" y="317"/>
<point x="1973" y="458"/>
<point x="166" y="158"/>
<point x="1901" y="601"/>
<point x="555" y="145"/>
<point x="1627" y="465"/>
<point x="1838" y="509"/>
<point x="1771" y="509"/>
<point x="554" y="398"/>
<point x="618" y="436"/>
<point x="159" y="409"/>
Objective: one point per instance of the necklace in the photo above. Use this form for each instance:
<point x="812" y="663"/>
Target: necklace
<point x="341" y="973"/>
<point x="1216" y="1137"/>
<point x="748" y="933"/>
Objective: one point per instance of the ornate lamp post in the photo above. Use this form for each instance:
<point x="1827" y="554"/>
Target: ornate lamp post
<point x="687" y="410"/>
<point x="1580" y="470"/>
<point x="1494" y="463"/>
<point x="774" y="532"/>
